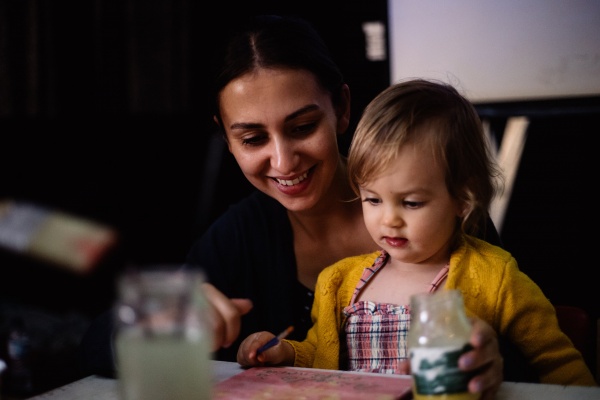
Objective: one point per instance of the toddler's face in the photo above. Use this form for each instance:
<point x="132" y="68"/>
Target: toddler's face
<point x="408" y="210"/>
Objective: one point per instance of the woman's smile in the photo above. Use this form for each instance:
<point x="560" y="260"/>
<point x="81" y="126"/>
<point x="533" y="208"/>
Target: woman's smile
<point x="295" y="186"/>
<point x="292" y="182"/>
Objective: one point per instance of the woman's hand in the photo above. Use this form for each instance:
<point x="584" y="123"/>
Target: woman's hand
<point x="280" y="354"/>
<point x="225" y="315"/>
<point x="485" y="358"/>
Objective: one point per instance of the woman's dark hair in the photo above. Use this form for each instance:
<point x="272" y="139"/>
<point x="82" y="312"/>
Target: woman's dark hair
<point x="273" y="41"/>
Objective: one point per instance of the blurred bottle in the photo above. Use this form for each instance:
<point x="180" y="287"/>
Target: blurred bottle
<point x="2" y="368"/>
<point x="439" y="334"/>
<point x="65" y="240"/>
<point x="18" y="377"/>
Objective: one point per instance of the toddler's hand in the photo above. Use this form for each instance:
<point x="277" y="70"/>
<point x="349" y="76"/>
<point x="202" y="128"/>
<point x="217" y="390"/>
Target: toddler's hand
<point x="485" y="358"/>
<point x="277" y="355"/>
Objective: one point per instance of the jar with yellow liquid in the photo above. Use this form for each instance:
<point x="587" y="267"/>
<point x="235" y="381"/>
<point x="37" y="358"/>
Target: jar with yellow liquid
<point x="439" y="334"/>
<point x="163" y="341"/>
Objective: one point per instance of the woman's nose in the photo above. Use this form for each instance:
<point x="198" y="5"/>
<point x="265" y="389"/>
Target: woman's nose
<point x="283" y="158"/>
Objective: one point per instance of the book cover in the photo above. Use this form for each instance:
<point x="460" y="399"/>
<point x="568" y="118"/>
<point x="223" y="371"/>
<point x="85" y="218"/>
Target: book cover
<point x="312" y="384"/>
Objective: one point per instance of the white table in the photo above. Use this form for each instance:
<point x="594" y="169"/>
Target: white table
<point x="98" y="388"/>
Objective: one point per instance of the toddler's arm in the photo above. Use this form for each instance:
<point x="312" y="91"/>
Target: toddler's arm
<point x="281" y="354"/>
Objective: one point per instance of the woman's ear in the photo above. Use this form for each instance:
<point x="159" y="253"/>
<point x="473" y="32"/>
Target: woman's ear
<point x="223" y="133"/>
<point x="343" y="111"/>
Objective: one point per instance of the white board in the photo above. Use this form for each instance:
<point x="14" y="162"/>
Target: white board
<point x="508" y="50"/>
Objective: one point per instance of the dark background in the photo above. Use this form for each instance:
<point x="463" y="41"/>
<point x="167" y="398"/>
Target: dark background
<point x="104" y="114"/>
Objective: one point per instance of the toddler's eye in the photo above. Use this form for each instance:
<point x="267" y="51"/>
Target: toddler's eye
<point x="372" y="200"/>
<point x="413" y="204"/>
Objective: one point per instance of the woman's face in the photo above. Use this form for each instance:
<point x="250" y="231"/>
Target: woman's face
<point x="281" y="127"/>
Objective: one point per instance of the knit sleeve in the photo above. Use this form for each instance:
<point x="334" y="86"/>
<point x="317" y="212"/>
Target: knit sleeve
<point x="497" y="291"/>
<point x="529" y="319"/>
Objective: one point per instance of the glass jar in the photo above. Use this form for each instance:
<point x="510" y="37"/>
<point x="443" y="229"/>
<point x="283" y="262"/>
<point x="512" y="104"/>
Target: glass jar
<point x="163" y="337"/>
<point x="439" y="334"/>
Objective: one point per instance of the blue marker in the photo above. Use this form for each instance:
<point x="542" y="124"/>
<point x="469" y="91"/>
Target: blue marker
<point x="275" y="340"/>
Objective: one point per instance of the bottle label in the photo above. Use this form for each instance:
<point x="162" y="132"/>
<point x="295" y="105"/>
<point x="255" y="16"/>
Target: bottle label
<point x="435" y="370"/>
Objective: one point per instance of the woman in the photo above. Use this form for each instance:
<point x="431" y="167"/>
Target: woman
<point x="281" y="104"/>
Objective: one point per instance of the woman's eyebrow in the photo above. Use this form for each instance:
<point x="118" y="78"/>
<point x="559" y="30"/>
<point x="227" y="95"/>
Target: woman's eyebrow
<point x="303" y="110"/>
<point x="245" y="125"/>
<point x="255" y="125"/>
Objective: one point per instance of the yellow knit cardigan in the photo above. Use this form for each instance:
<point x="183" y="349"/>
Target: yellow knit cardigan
<point x="493" y="288"/>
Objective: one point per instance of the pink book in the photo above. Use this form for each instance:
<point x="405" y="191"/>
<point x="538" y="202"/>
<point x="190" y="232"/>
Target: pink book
<point x="312" y="384"/>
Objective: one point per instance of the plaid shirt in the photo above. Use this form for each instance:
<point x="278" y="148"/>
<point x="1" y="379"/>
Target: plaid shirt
<point x="376" y="333"/>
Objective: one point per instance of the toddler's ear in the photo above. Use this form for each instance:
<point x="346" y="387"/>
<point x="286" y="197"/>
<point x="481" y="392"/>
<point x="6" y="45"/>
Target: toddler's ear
<point x="465" y="202"/>
<point x="464" y="209"/>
